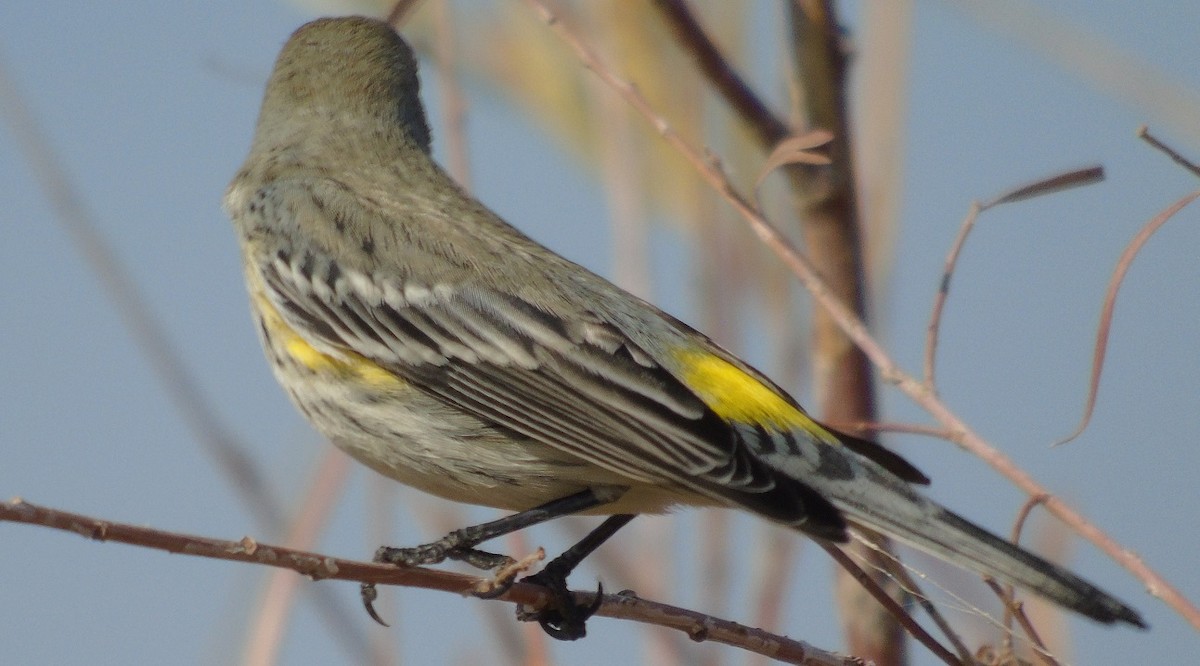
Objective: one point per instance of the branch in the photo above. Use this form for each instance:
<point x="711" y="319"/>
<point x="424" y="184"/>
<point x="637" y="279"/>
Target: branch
<point x="698" y="626"/>
<point x="767" y="127"/>
<point x="1057" y="183"/>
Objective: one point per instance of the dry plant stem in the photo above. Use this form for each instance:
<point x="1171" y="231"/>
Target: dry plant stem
<point x="437" y="516"/>
<point x="1144" y="134"/>
<point x="1009" y="594"/>
<point x="1013" y="608"/>
<point x="381" y="500"/>
<point x="698" y="626"/>
<point x="528" y="641"/>
<point x="687" y="30"/>
<point x="885" y="31"/>
<point x="617" y="564"/>
<point x="1056" y="183"/>
<point x="826" y="204"/>
<point x="268" y="625"/>
<point x="893" y="607"/>
<point x="939" y="301"/>
<point x="853" y="326"/>
<point x="896" y="569"/>
<point x="454" y="105"/>
<point x="401" y="11"/>
<point x="776" y="571"/>
<point x="861" y="427"/>
<point x="1100" y="350"/>
<point x="1095" y="61"/>
<point x="217" y="440"/>
<point x="148" y="334"/>
<point x="1023" y="515"/>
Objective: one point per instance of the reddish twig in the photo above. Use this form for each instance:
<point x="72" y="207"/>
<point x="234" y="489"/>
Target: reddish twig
<point x="1110" y="303"/>
<point x="1056" y="183"/>
<point x="1012" y="608"/>
<point x="943" y="292"/>
<point x="896" y="569"/>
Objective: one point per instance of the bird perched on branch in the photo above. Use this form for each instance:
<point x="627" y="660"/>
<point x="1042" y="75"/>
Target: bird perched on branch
<point x="441" y="347"/>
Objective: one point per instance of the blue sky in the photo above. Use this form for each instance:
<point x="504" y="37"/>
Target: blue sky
<point x="150" y="107"/>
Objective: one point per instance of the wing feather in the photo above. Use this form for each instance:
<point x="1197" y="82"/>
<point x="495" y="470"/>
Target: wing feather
<point x="581" y="387"/>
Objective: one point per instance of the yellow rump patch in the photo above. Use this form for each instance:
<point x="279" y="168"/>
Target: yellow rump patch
<point x="736" y="395"/>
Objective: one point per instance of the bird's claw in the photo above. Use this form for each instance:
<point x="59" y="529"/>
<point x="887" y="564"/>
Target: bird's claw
<point x="438" y="552"/>
<point x="562" y="618"/>
<point x="369" y="594"/>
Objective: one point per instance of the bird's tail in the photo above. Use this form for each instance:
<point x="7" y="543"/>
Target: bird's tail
<point x="873" y="498"/>
<point x="957" y="540"/>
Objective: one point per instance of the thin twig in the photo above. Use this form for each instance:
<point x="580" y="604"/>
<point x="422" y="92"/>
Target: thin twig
<point x="943" y="292"/>
<point x="862" y="428"/>
<point x="148" y="333"/>
<point x="891" y="605"/>
<point x="896" y="569"/>
<point x="1144" y="134"/>
<point x="698" y="626"/>
<point x="454" y="102"/>
<point x="1015" y="609"/>
<point x="1066" y="180"/>
<point x="1023" y="515"/>
<point x="1106" y="314"/>
<point x="1007" y="594"/>
<point x="856" y="330"/>
<point x="1055" y="183"/>
<point x="766" y="126"/>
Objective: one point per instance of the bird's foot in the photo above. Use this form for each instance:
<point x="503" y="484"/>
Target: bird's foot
<point x="562" y="618"/>
<point x="435" y="553"/>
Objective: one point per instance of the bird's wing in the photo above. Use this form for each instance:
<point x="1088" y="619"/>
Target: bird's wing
<point x="579" y="385"/>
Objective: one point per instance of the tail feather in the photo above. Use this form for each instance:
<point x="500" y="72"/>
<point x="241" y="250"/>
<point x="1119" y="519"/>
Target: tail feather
<point x="959" y="541"/>
<point x="869" y="496"/>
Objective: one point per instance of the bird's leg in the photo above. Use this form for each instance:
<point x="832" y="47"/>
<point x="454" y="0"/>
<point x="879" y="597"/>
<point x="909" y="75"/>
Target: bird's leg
<point x="563" y="618"/>
<point x="460" y="544"/>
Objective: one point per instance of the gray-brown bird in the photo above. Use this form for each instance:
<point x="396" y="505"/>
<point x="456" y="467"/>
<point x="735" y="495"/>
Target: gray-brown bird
<point x="443" y="348"/>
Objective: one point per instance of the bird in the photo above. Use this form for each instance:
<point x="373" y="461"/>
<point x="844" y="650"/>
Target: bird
<point x="443" y="348"/>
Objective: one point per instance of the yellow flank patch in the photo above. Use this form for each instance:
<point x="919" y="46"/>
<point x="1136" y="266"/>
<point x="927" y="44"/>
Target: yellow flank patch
<point x="349" y="364"/>
<point x="736" y="395"/>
